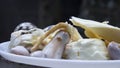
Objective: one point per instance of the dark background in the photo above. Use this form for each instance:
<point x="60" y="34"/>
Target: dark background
<point x="46" y="12"/>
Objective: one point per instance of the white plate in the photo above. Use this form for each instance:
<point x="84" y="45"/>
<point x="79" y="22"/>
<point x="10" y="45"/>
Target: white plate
<point x="57" y="63"/>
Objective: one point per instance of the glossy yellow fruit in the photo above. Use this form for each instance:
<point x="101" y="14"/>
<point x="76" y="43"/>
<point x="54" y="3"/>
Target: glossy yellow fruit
<point x="94" y="29"/>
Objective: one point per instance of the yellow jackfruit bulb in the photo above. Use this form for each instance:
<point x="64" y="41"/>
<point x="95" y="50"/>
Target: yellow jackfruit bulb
<point x="94" y="29"/>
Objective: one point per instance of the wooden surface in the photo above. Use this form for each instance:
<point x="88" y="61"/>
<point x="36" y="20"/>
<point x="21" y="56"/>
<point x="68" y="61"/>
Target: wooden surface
<point x="7" y="64"/>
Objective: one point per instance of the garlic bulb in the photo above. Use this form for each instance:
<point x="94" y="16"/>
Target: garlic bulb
<point x="38" y="54"/>
<point x="114" y="50"/>
<point x="19" y="50"/>
<point x="56" y="47"/>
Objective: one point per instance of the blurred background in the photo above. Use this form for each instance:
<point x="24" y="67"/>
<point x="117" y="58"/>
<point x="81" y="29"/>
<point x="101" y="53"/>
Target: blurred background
<point x="47" y="12"/>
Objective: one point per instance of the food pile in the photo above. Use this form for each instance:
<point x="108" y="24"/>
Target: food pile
<point x="63" y="41"/>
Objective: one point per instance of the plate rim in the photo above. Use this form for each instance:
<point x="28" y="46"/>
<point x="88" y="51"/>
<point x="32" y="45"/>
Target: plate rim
<point x="4" y="54"/>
